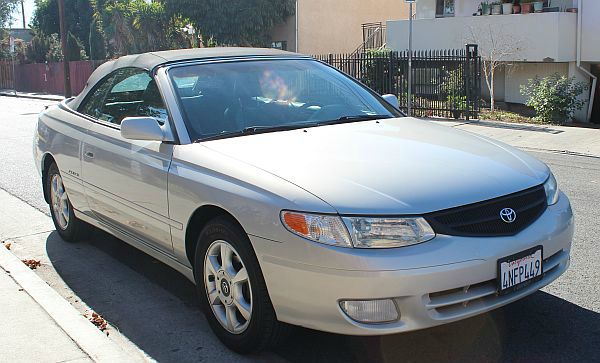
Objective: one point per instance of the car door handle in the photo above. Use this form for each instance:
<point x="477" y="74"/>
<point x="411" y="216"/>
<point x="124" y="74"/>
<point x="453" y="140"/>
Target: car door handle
<point x="89" y="154"/>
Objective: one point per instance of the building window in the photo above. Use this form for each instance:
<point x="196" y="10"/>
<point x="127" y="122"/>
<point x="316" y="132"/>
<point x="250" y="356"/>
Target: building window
<point x="280" y="44"/>
<point x="444" y="8"/>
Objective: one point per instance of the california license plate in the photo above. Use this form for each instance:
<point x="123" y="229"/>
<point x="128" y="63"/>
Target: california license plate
<point x="520" y="270"/>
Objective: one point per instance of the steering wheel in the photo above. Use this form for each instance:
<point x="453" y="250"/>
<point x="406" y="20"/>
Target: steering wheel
<point x="310" y="104"/>
<point x="329" y="112"/>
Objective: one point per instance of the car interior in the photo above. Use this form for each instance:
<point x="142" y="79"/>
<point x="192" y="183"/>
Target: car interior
<point x="227" y="103"/>
<point x="134" y="94"/>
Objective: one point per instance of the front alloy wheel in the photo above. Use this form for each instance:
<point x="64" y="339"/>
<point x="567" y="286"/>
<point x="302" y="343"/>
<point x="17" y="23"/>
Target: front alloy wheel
<point x="227" y="287"/>
<point x="232" y="289"/>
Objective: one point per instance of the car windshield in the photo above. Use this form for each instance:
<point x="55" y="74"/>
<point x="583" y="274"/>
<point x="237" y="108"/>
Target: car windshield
<point x="243" y="97"/>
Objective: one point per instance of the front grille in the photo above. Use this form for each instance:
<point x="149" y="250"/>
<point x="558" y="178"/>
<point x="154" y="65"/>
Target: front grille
<point x="483" y="219"/>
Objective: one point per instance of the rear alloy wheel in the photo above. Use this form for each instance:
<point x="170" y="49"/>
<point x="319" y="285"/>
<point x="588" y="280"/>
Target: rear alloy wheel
<point x="69" y="227"/>
<point x="232" y="289"/>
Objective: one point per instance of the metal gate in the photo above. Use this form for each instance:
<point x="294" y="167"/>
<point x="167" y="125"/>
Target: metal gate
<point x="445" y="83"/>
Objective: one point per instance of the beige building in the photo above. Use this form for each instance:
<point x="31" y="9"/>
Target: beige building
<point x="562" y="39"/>
<point x="333" y="26"/>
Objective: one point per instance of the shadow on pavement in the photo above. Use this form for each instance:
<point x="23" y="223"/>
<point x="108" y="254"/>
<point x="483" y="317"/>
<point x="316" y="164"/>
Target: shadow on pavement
<point x="156" y="308"/>
<point x="542" y="128"/>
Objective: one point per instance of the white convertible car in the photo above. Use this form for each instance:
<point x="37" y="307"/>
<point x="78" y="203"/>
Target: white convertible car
<point x="291" y="194"/>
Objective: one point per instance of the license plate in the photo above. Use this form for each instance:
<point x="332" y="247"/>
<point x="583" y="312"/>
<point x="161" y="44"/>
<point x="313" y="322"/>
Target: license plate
<point x="520" y="270"/>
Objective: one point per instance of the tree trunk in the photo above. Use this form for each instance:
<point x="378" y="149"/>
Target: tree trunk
<point x="492" y="95"/>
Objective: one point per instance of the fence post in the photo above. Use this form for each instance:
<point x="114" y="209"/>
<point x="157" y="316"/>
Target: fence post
<point x="391" y="72"/>
<point x="467" y="79"/>
<point x="477" y="75"/>
<point x="472" y="81"/>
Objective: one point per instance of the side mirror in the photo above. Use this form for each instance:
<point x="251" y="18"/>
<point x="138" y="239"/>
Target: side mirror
<point x="392" y="100"/>
<point x="141" y="128"/>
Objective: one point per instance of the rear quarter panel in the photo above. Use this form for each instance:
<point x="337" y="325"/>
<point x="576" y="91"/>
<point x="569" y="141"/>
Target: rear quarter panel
<point x="59" y="134"/>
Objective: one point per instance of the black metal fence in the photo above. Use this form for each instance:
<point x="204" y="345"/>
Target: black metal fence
<point x="445" y="83"/>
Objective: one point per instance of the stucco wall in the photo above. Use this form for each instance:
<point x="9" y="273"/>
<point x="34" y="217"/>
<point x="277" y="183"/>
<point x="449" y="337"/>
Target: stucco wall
<point x="590" y="34"/>
<point x="519" y="73"/>
<point x="286" y="32"/>
<point x="426" y="8"/>
<point x="334" y="26"/>
<point x="499" y="85"/>
<point x="538" y="37"/>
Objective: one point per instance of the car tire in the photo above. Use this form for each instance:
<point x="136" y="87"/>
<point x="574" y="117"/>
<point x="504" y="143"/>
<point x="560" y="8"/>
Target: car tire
<point x="69" y="227"/>
<point x="223" y="237"/>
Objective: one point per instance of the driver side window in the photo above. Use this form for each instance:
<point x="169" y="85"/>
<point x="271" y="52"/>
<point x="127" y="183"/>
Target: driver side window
<point x="94" y="103"/>
<point x="129" y="92"/>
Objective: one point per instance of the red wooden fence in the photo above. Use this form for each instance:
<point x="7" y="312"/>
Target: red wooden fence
<point x="45" y="77"/>
<point x="6" y="75"/>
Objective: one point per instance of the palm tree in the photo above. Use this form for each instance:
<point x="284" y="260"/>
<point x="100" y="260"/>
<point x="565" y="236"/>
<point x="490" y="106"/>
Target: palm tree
<point x="149" y="21"/>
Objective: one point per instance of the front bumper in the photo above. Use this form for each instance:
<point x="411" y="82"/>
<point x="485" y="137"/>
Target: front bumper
<point x="446" y="279"/>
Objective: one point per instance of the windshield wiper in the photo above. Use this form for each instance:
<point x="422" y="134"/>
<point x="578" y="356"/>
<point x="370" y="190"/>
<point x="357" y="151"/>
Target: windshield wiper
<point x="253" y="130"/>
<point x="363" y="117"/>
<point x="354" y="118"/>
<point x="260" y="129"/>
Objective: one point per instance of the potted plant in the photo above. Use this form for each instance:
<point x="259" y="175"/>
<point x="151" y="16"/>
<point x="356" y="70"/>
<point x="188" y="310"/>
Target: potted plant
<point x="526" y="6"/>
<point x="507" y="7"/>
<point x="538" y="6"/>
<point x="516" y="7"/>
<point x="496" y="8"/>
<point x="486" y="9"/>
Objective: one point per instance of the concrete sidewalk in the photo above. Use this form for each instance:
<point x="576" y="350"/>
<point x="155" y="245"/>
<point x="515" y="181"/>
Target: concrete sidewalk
<point x="561" y="139"/>
<point x="33" y="95"/>
<point x="28" y="333"/>
<point x="36" y="323"/>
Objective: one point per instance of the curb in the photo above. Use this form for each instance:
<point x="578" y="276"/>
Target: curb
<point x="35" y="97"/>
<point x="91" y="340"/>
<point x="562" y="152"/>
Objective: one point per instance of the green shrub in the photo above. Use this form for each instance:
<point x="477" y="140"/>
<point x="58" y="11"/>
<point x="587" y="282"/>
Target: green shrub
<point x="555" y="98"/>
<point x="76" y="48"/>
<point x="377" y="68"/>
<point x="54" y="53"/>
<point x="453" y="87"/>
<point x="37" y="49"/>
<point x="97" y="42"/>
<point x="453" y="83"/>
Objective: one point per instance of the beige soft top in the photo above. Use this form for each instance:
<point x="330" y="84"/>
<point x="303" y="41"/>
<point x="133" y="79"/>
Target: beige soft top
<point x="152" y="60"/>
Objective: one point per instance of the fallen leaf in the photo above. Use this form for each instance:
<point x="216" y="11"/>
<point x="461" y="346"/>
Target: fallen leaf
<point x="32" y="264"/>
<point x="98" y="321"/>
<point x="7" y="245"/>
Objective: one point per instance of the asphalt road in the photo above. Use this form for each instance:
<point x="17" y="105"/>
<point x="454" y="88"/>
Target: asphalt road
<point x="155" y="308"/>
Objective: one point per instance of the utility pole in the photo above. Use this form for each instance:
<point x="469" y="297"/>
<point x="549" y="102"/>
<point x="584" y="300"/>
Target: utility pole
<point x="23" y="13"/>
<point x="65" y="48"/>
<point x="11" y="40"/>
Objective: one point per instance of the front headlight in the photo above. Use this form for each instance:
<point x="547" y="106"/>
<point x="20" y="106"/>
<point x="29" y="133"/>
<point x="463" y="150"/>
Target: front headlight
<point x="365" y="232"/>
<point x="551" y="188"/>
<point x="387" y="232"/>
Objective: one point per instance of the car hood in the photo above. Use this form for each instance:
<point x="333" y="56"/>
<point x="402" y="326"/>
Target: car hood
<point x="390" y="166"/>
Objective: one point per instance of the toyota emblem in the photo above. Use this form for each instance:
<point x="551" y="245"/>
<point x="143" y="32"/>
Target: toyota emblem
<point x="225" y="287"/>
<point x="508" y="215"/>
